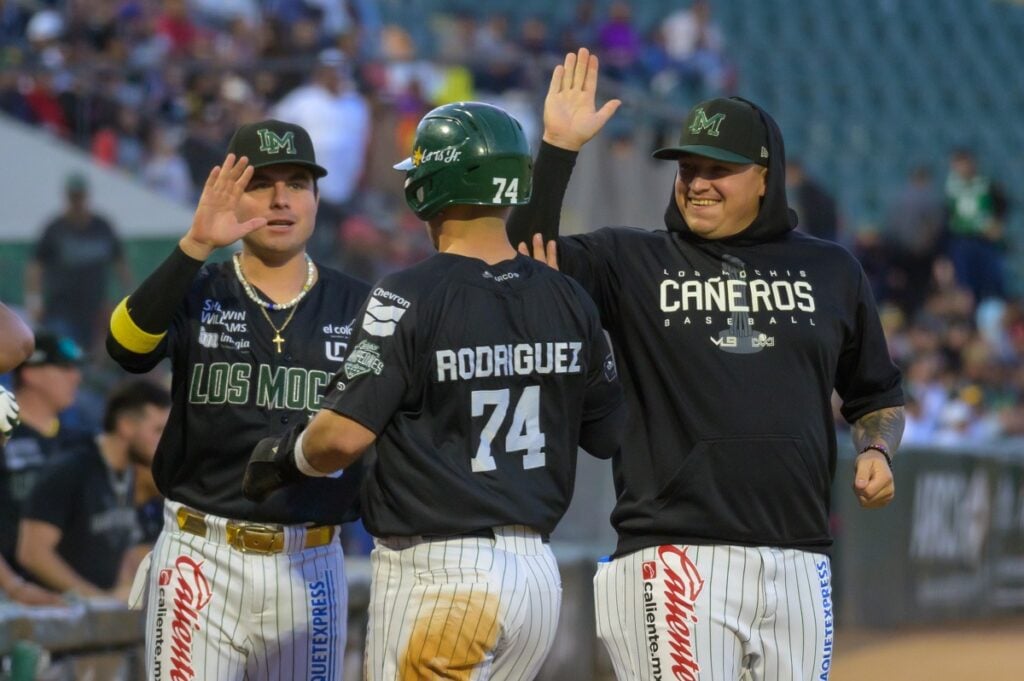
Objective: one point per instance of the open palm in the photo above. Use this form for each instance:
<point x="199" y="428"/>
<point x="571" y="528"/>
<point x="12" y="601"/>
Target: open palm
<point x="570" y="118"/>
<point x="215" y="223"/>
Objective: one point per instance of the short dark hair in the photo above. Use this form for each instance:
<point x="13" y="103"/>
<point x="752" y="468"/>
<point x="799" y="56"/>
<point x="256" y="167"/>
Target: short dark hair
<point x="132" y="397"/>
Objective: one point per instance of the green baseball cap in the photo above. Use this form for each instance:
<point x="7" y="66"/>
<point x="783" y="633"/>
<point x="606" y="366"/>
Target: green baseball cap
<point x="272" y="142"/>
<point x="725" y="129"/>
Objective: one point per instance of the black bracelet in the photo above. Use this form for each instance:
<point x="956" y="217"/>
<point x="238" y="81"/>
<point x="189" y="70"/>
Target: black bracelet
<point x="880" y="448"/>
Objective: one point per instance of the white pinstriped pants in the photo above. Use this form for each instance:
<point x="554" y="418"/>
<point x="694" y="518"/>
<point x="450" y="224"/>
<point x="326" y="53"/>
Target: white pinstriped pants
<point x="214" y="613"/>
<point x="465" y="608"/>
<point x="716" y="612"/>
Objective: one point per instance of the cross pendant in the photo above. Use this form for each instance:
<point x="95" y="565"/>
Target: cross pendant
<point x="278" y="341"/>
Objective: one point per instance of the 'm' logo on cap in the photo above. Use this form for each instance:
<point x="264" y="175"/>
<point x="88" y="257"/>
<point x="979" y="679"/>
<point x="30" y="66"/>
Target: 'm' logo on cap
<point x="272" y="143"/>
<point x="701" y="122"/>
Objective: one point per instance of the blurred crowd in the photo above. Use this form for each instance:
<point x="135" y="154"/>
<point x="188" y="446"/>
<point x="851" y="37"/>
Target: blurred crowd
<point x="155" y="88"/>
<point x="938" y="263"/>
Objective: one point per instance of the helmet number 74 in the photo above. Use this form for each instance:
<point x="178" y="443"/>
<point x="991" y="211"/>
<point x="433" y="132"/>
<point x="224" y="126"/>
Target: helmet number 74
<point x="510" y="190"/>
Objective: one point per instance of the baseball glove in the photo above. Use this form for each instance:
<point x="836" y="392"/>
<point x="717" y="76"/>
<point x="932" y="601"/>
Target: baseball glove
<point x="271" y="465"/>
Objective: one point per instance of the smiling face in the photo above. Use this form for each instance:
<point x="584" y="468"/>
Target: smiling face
<point x="286" y="196"/>
<point x="718" y="199"/>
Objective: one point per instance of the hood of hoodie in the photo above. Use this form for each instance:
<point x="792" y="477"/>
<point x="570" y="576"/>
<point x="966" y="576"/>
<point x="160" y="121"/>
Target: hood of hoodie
<point x="774" y="219"/>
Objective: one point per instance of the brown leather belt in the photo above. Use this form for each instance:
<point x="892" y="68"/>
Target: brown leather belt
<point x="250" y="537"/>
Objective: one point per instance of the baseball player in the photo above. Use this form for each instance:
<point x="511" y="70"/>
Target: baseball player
<point x="237" y="589"/>
<point x="476" y="373"/>
<point x="731" y="330"/>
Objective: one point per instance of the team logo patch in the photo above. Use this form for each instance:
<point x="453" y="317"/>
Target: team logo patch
<point x="610" y="371"/>
<point x="165" y="577"/>
<point x="650" y="570"/>
<point x="364" y="359"/>
<point x="381" y="319"/>
<point x="272" y="143"/>
<point x="702" y="123"/>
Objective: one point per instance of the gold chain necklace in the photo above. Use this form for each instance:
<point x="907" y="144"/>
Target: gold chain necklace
<point x="278" y="340"/>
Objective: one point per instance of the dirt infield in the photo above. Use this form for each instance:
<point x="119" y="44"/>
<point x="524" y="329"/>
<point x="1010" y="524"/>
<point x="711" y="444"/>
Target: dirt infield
<point x="966" y="652"/>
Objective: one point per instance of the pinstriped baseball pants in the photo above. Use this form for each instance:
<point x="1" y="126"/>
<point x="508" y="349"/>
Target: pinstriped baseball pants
<point x="464" y="608"/>
<point x="716" y="612"/>
<point x="214" y="613"/>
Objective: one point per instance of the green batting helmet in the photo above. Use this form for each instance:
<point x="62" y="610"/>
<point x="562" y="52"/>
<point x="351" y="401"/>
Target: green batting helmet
<point x="467" y="153"/>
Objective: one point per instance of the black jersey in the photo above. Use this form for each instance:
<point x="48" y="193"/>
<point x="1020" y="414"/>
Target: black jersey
<point x="729" y="351"/>
<point x="231" y="388"/>
<point x="24" y="458"/>
<point x="475" y="379"/>
<point x="91" y="504"/>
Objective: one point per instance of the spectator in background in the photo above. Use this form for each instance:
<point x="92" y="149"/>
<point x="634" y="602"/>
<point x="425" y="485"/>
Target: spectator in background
<point x="80" y="520"/>
<point x="44" y="104"/>
<point x="619" y="43"/>
<point x="164" y="170"/>
<point x="581" y="29"/>
<point x="977" y="213"/>
<point x="694" y="43"/>
<point x="338" y="120"/>
<point x="913" y="231"/>
<point x="46" y="384"/>
<point x="66" y="280"/>
<point x="496" y="57"/>
<point x="815" y="207"/>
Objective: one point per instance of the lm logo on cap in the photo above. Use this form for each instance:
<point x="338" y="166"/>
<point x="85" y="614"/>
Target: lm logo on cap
<point x="272" y="143"/>
<point x="701" y="122"/>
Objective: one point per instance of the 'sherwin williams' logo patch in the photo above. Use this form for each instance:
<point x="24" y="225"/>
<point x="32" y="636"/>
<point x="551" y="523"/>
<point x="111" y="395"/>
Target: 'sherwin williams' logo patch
<point x="381" y="319"/>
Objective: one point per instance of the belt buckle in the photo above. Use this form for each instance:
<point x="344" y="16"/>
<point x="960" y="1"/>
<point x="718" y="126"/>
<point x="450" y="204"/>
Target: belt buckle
<point x="242" y="535"/>
<point x="191" y="521"/>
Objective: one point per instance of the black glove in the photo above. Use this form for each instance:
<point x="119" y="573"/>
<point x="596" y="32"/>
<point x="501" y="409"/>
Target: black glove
<point x="271" y="466"/>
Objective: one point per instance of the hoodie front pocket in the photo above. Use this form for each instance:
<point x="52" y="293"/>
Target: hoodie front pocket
<point x="759" y="490"/>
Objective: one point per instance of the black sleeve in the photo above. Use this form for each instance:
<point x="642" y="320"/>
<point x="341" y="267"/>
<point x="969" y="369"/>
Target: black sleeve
<point x="551" y="173"/>
<point x="148" y="312"/>
<point x="866" y="378"/>
<point x="604" y="408"/>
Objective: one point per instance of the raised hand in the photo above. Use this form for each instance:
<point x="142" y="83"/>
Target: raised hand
<point x="545" y="253"/>
<point x="570" y="120"/>
<point x="215" y="223"/>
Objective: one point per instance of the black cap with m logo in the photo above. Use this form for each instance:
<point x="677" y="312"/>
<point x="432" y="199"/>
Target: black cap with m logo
<point x="724" y="129"/>
<point x="272" y="142"/>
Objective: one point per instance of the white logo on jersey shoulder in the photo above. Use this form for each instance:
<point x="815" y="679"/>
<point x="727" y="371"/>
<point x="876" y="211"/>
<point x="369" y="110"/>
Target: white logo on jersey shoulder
<point x="381" y="319"/>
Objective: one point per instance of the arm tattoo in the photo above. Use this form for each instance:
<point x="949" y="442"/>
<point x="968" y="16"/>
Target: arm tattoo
<point x="884" y="426"/>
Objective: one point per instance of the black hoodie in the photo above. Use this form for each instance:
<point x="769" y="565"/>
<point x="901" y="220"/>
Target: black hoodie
<point x="729" y="351"/>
